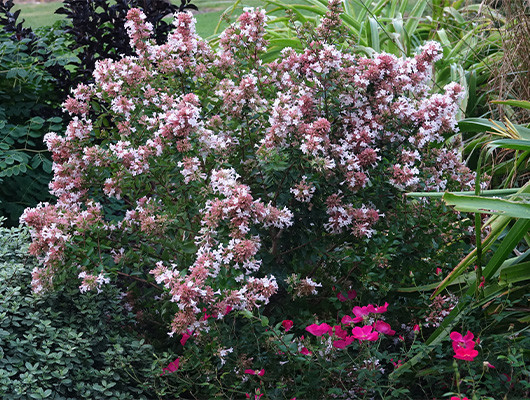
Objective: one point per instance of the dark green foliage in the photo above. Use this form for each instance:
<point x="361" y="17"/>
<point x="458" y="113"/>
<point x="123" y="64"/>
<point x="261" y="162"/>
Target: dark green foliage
<point x="98" y="30"/>
<point x="66" y="345"/>
<point x="29" y="108"/>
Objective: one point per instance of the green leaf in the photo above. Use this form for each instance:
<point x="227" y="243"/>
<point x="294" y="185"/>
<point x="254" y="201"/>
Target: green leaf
<point x="516" y="273"/>
<point x="515" y="103"/>
<point x="486" y="193"/>
<point x="514" y="144"/>
<point x="374" y="42"/>
<point x="487" y="206"/>
<point x="485" y="125"/>
<point x="414" y="17"/>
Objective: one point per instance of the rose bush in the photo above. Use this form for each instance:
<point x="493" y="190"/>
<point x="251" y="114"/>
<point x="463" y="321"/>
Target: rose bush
<point x="205" y="182"/>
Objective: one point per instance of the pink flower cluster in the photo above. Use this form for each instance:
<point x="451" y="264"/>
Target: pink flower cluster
<point x="464" y="346"/>
<point x="196" y="173"/>
<point x="369" y="332"/>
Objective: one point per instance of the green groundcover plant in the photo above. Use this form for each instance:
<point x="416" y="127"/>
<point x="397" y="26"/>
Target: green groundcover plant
<point x="250" y="207"/>
<point x="67" y="345"/>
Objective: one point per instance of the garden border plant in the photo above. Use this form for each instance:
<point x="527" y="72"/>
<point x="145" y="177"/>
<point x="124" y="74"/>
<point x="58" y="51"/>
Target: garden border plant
<point x="211" y="187"/>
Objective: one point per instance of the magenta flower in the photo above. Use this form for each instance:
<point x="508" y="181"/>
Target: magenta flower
<point x="341" y="297"/>
<point x="382" y="309"/>
<point x="365" y="333"/>
<point x="361" y="312"/>
<point x="347" y="320"/>
<point x="319" y="330"/>
<point x="352" y="294"/>
<point x="384" y="328"/>
<point x="255" y="372"/>
<point x="465" y="354"/>
<point x="305" y="351"/>
<point x="460" y="341"/>
<point x="172" y="367"/>
<point x="339" y="332"/>
<point x="343" y="343"/>
<point x="185" y="337"/>
<point x="287" y="324"/>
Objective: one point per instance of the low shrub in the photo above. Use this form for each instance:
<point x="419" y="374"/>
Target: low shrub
<point x="66" y="345"/>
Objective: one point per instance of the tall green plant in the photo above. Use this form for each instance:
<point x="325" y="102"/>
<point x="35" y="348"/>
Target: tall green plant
<point x="505" y="247"/>
<point x="29" y="107"/>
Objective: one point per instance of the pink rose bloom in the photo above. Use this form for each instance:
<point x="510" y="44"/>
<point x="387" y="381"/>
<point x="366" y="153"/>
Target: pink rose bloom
<point x="305" y="351"/>
<point x="382" y="309"/>
<point x="384" y="328"/>
<point x="343" y="343"/>
<point x="319" y="330"/>
<point x="465" y="354"/>
<point x="365" y="333"/>
<point x="361" y="312"/>
<point x="287" y="324"/>
<point x="172" y="367"/>
<point x="339" y="332"/>
<point x="460" y="341"/>
<point x="341" y="297"/>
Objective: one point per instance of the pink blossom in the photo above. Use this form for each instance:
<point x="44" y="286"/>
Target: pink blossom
<point x="287" y="324"/>
<point x="381" y="309"/>
<point x="460" y="341"/>
<point x="319" y="330"/>
<point x="339" y="332"/>
<point x="458" y="398"/>
<point x="416" y="329"/>
<point x="341" y="297"/>
<point x="365" y="333"/>
<point x="384" y="328"/>
<point x="361" y="312"/>
<point x="185" y="337"/>
<point x="343" y="343"/>
<point x="305" y="351"/>
<point x="352" y="294"/>
<point x="172" y="367"/>
<point x="465" y="354"/>
<point x="255" y="372"/>
<point x="347" y="320"/>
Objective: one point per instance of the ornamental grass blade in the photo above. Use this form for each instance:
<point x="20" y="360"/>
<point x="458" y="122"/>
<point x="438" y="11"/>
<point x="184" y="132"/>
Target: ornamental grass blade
<point x="486" y="125"/>
<point x="485" y="193"/>
<point x="483" y="205"/>
<point x="515" y="273"/>
<point x="414" y="18"/>
<point x="373" y="28"/>
<point x="514" y="103"/>
<point x="514" y="144"/>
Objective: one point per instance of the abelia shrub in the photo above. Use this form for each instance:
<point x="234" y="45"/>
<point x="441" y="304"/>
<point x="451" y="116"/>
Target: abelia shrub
<point x="211" y="181"/>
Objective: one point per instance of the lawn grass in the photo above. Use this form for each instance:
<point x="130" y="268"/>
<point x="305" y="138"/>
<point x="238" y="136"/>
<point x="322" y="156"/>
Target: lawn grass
<point x="42" y="14"/>
<point x="39" y="14"/>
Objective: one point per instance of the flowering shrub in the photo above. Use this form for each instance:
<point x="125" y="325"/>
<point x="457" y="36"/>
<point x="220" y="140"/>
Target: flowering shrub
<point x="207" y="183"/>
